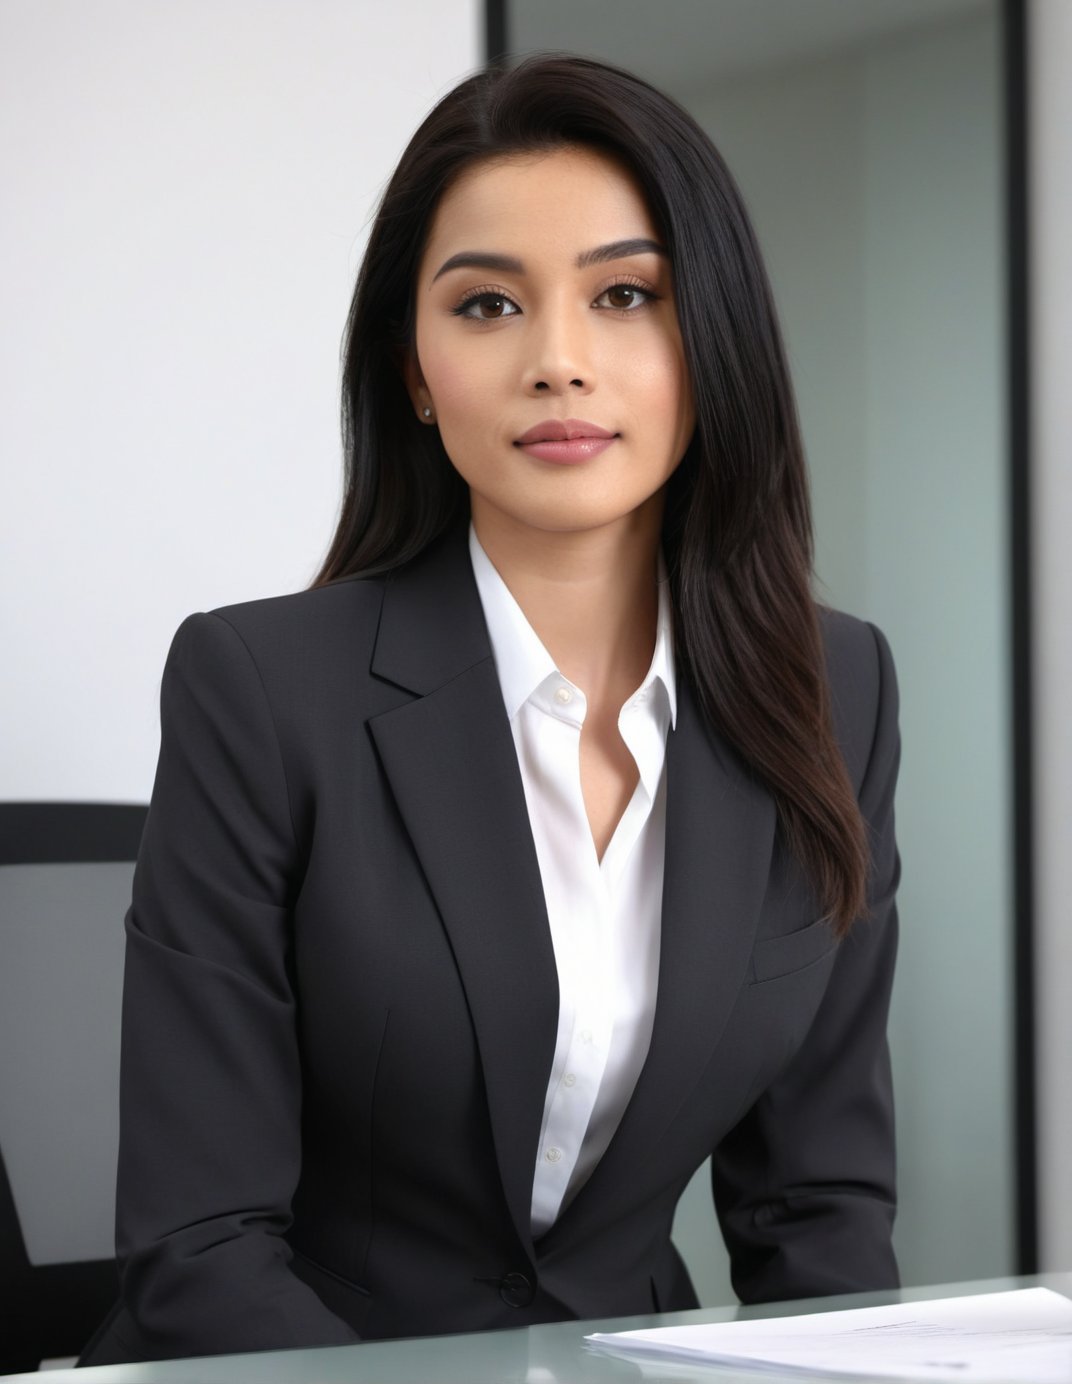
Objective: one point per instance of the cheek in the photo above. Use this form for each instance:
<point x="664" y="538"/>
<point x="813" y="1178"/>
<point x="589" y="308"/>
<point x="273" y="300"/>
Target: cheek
<point x="463" y="393"/>
<point x="460" y="373"/>
<point x="676" y="390"/>
<point x="644" y="353"/>
<point x="449" y="383"/>
<point x="653" y="376"/>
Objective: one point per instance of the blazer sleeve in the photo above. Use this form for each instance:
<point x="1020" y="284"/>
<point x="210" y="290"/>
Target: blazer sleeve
<point x="210" y="1104"/>
<point x="805" y="1183"/>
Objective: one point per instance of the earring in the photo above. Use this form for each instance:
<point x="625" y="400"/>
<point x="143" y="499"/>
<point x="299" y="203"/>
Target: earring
<point x="427" y="412"/>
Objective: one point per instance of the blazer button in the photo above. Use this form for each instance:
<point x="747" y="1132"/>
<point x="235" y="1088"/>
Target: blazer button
<point x="516" y="1290"/>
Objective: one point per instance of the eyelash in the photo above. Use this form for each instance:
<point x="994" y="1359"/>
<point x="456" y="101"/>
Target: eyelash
<point x="630" y="281"/>
<point x="487" y="291"/>
<point x="481" y="295"/>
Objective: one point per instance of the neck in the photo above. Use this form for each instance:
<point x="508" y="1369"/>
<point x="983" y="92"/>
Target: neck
<point x="591" y="596"/>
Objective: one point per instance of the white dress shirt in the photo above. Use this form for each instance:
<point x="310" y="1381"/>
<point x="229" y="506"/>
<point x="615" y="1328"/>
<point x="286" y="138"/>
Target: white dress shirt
<point x="605" y="916"/>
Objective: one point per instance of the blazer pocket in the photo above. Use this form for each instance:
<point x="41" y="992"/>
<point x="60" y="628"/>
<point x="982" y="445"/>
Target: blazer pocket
<point x="781" y="956"/>
<point x="344" y="1297"/>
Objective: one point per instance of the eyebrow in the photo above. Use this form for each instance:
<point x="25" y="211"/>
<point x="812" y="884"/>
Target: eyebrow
<point x="509" y="264"/>
<point x="620" y="249"/>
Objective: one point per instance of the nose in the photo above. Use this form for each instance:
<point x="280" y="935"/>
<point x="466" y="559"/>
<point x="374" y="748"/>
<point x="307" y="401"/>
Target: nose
<point x="560" y="358"/>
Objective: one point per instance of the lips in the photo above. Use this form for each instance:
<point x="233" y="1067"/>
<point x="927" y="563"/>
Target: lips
<point x="561" y="430"/>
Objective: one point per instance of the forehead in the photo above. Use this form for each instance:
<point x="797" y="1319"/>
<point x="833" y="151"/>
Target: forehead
<point x="555" y="202"/>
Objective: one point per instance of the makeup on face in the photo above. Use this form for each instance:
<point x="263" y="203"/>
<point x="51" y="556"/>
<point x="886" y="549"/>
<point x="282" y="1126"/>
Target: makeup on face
<point x="565" y="441"/>
<point x="547" y="342"/>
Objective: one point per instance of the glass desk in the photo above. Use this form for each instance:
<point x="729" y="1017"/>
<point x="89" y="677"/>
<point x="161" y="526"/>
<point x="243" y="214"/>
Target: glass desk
<point x="554" y="1354"/>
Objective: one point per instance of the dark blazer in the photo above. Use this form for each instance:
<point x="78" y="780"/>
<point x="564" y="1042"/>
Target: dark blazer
<point x="341" y="1001"/>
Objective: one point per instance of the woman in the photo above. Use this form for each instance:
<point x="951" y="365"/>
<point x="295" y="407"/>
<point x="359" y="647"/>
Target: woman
<point x="545" y="846"/>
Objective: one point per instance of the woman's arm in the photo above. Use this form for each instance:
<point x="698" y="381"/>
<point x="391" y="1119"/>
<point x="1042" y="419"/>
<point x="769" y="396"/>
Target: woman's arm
<point x="210" y="1147"/>
<point x="805" y="1184"/>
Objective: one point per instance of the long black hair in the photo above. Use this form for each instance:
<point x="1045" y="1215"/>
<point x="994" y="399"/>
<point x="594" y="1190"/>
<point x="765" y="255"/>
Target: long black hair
<point x="737" y="533"/>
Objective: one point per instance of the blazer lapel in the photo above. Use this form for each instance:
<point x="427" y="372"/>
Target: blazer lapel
<point x="720" y="825"/>
<point x="450" y="759"/>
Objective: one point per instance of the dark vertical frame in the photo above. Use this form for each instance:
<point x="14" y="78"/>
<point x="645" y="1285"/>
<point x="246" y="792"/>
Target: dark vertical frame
<point x="1015" y="22"/>
<point x="494" y="31"/>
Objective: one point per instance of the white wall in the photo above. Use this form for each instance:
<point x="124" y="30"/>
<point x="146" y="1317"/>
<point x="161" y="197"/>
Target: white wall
<point x="186" y="192"/>
<point x="1050" y="115"/>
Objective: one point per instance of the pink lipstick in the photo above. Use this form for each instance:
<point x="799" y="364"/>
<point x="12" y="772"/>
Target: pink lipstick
<point x="565" y="440"/>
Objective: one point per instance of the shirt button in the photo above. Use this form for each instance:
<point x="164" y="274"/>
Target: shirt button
<point x="563" y="696"/>
<point x="641" y="697"/>
<point x="569" y="1079"/>
<point x="553" y="1155"/>
<point x="586" y="1035"/>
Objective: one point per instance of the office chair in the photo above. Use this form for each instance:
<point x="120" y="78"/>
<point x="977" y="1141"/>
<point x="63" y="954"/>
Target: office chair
<point x="65" y="873"/>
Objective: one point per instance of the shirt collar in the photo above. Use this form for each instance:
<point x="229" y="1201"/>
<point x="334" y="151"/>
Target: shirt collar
<point x="662" y="661"/>
<point x="521" y="660"/>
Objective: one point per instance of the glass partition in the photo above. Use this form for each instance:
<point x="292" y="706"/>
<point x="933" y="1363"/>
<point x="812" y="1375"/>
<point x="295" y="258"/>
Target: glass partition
<point x="867" y="140"/>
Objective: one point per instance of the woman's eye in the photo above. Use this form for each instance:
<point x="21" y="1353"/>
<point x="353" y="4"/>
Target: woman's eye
<point x="624" y="297"/>
<point x="487" y="307"/>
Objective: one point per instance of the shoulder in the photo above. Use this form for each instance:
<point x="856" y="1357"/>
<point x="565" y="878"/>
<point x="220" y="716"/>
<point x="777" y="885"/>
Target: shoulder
<point x="863" y="686"/>
<point x="306" y="645"/>
<point x="346" y="613"/>
<point x="296" y="624"/>
<point x="303" y="619"/>
<point x="318" y="647"/>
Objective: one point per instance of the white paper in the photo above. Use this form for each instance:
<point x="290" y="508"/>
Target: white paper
<point x="1020" y="1337"/>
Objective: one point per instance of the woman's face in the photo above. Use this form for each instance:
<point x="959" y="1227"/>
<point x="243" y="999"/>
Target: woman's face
<point x="547" y="344"/>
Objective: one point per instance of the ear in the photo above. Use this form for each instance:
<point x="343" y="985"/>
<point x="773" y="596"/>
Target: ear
<point x="416" y="387"/>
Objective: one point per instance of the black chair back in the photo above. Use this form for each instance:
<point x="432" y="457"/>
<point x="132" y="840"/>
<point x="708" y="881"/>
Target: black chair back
<point x="65" y="873"/>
